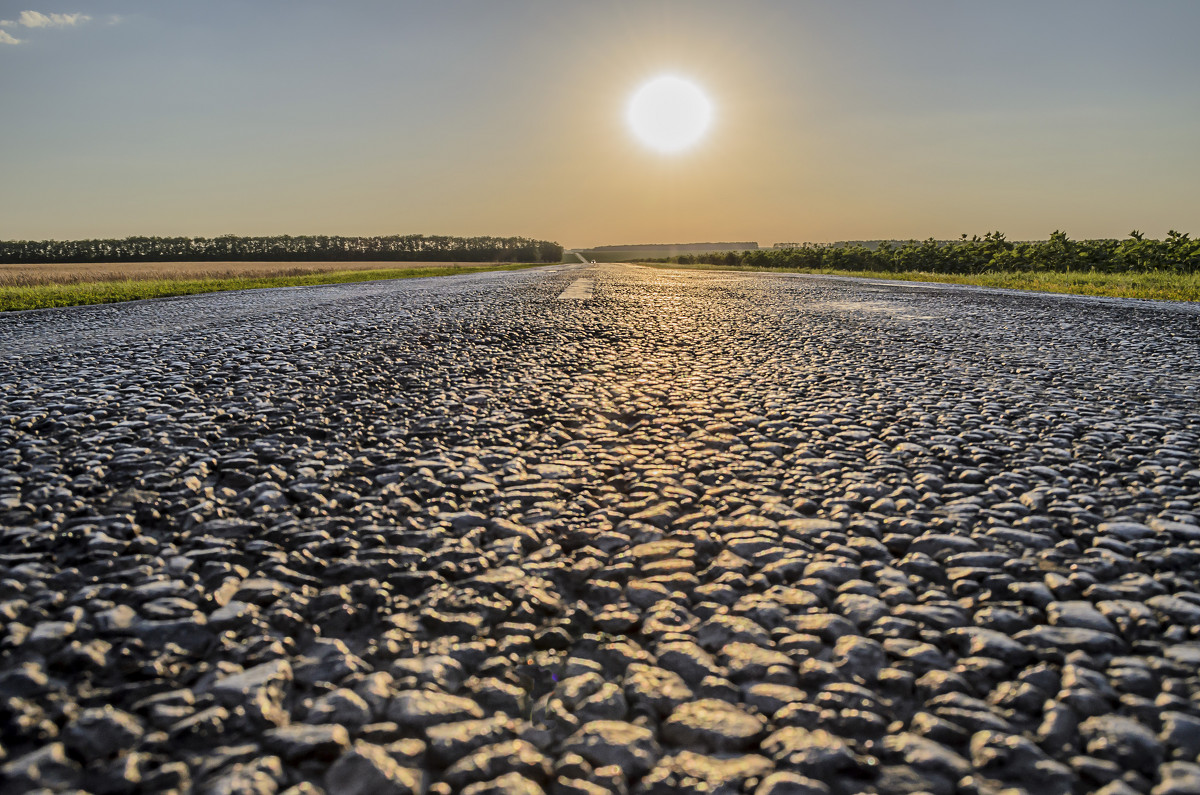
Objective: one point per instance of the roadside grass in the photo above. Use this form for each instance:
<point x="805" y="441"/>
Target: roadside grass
<point x="1155" y="285"/>
<point x="34" y="274"/>
<point x="110" y="292"/>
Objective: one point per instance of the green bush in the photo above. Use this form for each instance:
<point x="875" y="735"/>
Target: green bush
<point x="1178" y="253"/>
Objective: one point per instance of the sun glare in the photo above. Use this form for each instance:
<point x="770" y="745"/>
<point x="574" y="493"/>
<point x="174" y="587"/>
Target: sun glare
<point x="669" y="114"/>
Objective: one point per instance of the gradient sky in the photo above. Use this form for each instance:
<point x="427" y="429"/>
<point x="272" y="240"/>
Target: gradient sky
<point x="834" y="120"/>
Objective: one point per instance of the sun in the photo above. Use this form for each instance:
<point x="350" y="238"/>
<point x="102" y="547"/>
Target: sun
<point x="669" y="114"/>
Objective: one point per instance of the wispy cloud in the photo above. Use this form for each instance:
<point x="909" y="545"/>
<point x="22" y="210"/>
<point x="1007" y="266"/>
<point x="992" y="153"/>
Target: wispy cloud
<point x="36" y="19"/>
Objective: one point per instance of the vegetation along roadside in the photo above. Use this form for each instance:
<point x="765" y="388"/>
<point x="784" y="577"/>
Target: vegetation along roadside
<point x="1133" y="268"/>
<point x="1155" y="286"/>
<point x="108" y="292"/>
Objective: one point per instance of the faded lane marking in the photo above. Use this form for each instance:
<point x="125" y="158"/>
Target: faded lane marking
<point x="580" y="289"/>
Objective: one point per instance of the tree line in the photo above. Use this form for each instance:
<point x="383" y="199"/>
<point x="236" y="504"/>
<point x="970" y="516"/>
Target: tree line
<point x="993" y="252"/>
<point x="401" y="248"/>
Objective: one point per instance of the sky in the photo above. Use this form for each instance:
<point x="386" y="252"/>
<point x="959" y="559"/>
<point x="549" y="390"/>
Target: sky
<point x="832" y="119"/>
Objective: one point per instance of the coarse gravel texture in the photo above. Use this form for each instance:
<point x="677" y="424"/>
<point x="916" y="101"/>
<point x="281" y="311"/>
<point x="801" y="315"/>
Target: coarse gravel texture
<point x="702" y="532"/>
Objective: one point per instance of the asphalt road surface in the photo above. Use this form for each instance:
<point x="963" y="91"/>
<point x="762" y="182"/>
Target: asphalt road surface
<point x="588" y="529"/>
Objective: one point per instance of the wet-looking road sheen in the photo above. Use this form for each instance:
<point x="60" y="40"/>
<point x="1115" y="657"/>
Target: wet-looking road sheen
<point x="590" y="529"/>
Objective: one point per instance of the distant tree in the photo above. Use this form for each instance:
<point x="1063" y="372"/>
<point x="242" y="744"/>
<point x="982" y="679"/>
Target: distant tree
<point x="282" y="247"/>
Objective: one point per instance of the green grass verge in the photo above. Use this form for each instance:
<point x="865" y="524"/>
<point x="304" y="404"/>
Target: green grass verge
<point x="49" y="295"/>
<point x="1155" y="285"/>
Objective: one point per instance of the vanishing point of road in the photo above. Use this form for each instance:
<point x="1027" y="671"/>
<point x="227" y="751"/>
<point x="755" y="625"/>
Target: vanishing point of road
<point x="587" y="529"/>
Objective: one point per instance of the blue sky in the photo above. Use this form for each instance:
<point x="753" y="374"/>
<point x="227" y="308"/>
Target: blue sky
<point x="834" y="120"/>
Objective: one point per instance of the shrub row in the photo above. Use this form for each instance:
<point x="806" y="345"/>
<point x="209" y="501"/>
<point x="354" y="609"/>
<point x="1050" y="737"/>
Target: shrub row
<point x="231" y="248"/>
<point x="992" y="252"/>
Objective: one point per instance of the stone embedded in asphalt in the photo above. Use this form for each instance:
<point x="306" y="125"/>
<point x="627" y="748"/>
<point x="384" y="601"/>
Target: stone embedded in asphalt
<point x="507" y="784"/>
<point x="980" y="642"/>
<point x="1117" y="787"/>
<point x="862" y="610"/>
<point x="1181" y="734"/>
<point x="828" y="627"/>
<point x="342" y="706"/>
<point x="769" y="698"/>
<point x="449" y="742"/>
<point x="816" y="754"/>
<point x="299" y="742"/>
<point x="859" y="657"/>
<point x="713" y="725"/>
<point x="48" y="767"/>
<point x="264" y="774"/>
<point x="578" y="786"/>
<point x="261" y="591"/>
<point x="1068" y="639"/>
<point x="367" y="769"/>
<point x="1078" y="614"/>
<point x="492" y="761"/>
<point x="199" y="727"/>
<point x="719" y="630"/>
<point x="1016" y="760"/>
<point x="1178" y="778"/>
<point x="100" y="732"/>
<point x="241" y="687"/>
<point x="116" y="619"/>
<point x="420" y="709"/>
<point x="1175" y="609"/>
<point x="927" y="756"/>
<point x="231" y="615"/>
<point x="589" y="697"/>
<point x="750" y="662"/>
<point x="691" y="771"/>
<point x="1126" y="531"/>
<point x="687" y="660"/>
<point x="783" y="782"/>
<point x="606" y="742"/>
<point x="655" y="689"/>
<point x="436" y="669"/>
<point x="495" y="695"/>
<point x="1124" y="741"/>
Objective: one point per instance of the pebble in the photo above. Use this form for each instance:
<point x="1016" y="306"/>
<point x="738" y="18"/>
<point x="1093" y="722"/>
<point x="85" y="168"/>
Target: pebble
<point x="690" y="771"/>
<point x="507" y="784"/>
<point x="511" y="757"/>
<point x="367" y="769"/>
<point x="630" y="747"/>
<point x="300" y="742"/>
<point x="785" y="783"/>
<point x="100" y="732"/>
<point x="712" y="724"/>
<point x="421" y="709"/>
<point x="1122" y="740"/>
<point x="656" y="689"/>
<point x="816" y="754"/>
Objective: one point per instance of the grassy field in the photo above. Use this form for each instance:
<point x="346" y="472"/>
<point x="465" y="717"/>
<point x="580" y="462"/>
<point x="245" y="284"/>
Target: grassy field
<point x="159" y="280"/>
<point x="1157" y="285"/>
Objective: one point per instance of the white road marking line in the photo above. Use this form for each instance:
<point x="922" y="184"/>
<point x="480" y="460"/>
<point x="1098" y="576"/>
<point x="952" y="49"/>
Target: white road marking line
<point x="580" y="289"/>
<point x="909" y="284"/>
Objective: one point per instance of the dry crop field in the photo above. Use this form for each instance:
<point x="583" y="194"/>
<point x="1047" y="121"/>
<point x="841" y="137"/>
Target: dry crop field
<point x="34" y="275"/>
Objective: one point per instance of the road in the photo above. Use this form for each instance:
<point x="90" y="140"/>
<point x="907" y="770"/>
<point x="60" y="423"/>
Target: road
<point x="602" y="528"/>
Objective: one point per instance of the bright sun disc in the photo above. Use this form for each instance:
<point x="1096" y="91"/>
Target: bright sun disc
<point x="669" y="113"/>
